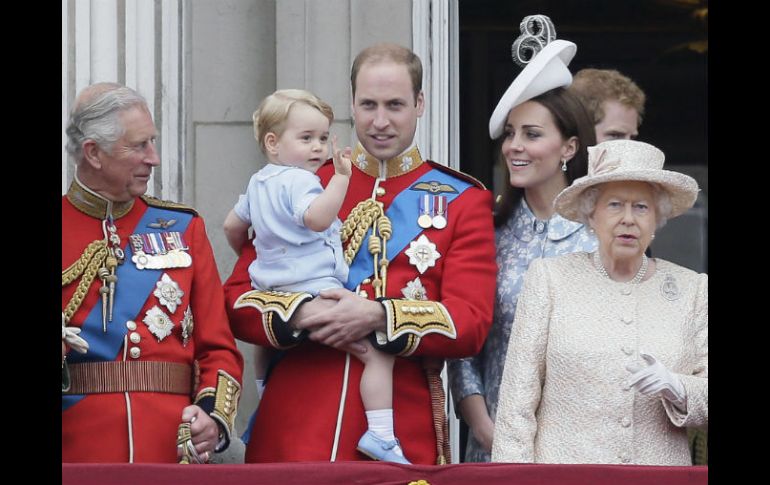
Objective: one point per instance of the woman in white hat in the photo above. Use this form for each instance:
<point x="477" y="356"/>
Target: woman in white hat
<point x="544" y="131"/>
<point x="608" y="358"/>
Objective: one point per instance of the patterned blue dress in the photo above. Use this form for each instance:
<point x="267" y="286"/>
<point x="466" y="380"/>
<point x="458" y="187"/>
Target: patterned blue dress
<point x="521" y="240"/>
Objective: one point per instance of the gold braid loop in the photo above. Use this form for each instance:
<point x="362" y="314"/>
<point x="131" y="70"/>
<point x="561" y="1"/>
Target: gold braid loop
<point x="88" y="264"/>
<point x="385" y="230"/>
<point x="385" y="227"/>
<point x="374" y="245"/>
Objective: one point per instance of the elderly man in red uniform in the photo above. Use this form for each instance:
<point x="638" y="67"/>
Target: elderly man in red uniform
<point x="146" y="345"/>
<point x="419" y="240"/>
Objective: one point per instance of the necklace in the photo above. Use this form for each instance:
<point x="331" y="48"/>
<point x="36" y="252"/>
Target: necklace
<point x="639" y="274"/>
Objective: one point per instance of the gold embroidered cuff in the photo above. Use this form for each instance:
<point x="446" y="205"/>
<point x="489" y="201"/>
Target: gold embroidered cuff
<point x="281" y="302"/>
<point x="277" y="308"/>
<point x="418" y="319"/>
<point x="226" y="404"/>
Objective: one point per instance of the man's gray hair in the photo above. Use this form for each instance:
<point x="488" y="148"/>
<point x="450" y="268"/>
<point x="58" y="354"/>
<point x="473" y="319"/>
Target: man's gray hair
<point x="95" y="116"/>
<point x="586" y="203"/>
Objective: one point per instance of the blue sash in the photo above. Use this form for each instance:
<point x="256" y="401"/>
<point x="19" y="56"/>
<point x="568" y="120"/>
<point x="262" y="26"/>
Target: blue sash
<point x="403" y="212"/>
<point x="133" y="288"/>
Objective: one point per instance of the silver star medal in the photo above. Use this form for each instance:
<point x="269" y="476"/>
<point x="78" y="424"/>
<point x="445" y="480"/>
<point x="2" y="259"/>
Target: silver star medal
<point x="158" y="322"/>
<point x="414" y="290"/>
<point x="168" y="292"/>
<point x="422" y="253"/>
<point x="187" y="326"/>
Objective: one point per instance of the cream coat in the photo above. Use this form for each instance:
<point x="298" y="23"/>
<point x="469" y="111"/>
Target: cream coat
<point x="564" y="396"/>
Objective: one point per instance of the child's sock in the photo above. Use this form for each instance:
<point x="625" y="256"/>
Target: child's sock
<point x="381" y="423"/>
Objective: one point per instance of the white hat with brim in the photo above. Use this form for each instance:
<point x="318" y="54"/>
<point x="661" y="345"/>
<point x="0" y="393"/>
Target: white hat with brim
<point x="547" y="70"/>
<point x="624" y="161"/>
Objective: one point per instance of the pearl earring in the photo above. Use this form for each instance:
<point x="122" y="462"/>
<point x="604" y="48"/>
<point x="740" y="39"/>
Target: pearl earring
<point x="563" y="164"/>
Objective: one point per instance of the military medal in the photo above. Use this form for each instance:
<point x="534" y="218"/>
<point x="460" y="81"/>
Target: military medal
<point x="440" y="205"/>
<point x="414" y="290"/>
<point x="422" y="253"/>
<point x="425" y="220"/>
<point x="158" y="322"/>
<point x="168" y="293"/>
<point x="160" y="250"/>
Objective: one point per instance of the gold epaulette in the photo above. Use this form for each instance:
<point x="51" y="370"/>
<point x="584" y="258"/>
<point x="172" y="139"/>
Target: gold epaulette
<point x="168" y="204"/>
<point x="456" y="173"/>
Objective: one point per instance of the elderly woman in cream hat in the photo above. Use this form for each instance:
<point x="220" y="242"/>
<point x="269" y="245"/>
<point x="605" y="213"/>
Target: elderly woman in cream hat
<point x="608" y="358"/>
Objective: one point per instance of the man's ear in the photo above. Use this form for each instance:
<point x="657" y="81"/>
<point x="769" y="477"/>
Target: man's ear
<point x="420" y="103"/>
<point x="91" y="151"/>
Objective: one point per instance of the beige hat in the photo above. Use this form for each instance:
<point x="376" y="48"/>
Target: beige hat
<point x="627" y="160"/>
<point x="545" y="71"/>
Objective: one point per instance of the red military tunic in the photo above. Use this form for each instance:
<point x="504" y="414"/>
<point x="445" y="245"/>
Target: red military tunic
<point x="298" y="414"/>
<point x="142" y="426"/>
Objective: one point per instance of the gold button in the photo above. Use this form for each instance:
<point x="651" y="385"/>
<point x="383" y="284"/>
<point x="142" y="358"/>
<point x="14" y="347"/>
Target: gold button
<point x="380" y="191"/>
<point x="135" y="352"/>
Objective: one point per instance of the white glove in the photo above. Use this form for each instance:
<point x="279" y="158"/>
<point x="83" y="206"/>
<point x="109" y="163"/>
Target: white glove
<point x="71" y="337"/>
<point x="655" y="380"/>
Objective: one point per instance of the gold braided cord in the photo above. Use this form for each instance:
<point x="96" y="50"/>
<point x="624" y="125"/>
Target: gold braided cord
<point x="369" y="213"/>
<point x="89" y="263"/>
<point x="75" y="269"/>
<point x="357" y="223"/>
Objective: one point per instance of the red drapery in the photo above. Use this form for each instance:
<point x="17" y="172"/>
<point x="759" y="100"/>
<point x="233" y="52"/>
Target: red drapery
<point x="364" y="473"/>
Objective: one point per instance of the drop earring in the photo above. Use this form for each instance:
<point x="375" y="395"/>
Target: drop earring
<point x="563" y="164"/>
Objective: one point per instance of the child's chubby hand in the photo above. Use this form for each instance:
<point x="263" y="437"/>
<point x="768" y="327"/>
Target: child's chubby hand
<point x="341" y="159"/>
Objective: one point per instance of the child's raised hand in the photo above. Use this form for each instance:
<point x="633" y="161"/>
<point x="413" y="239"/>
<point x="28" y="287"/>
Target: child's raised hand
<point x="341" y="159"/>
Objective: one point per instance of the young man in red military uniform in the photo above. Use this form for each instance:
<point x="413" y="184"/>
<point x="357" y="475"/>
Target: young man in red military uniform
<point x="420" y="245"/>
<point x="144" y="329"/>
